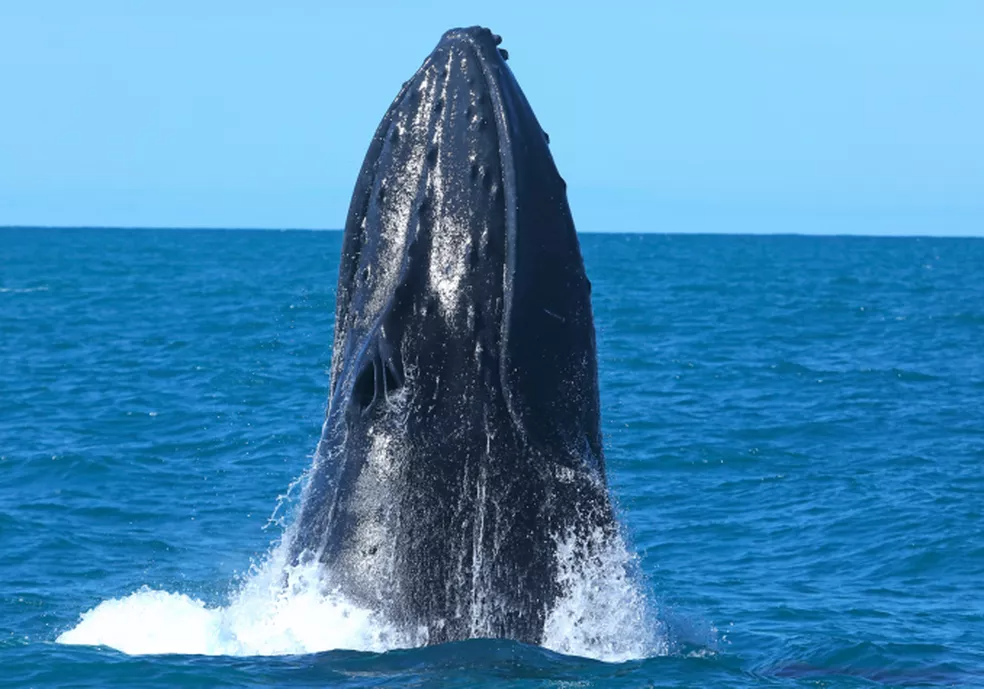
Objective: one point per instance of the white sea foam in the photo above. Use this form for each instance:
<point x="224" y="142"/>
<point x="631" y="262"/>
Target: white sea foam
<point x="22" y="290"/>
<point x="282" y="609"/>
<point x="265" y="617"/>
<point x="602" y="615"/>
<point x="602" y="612"/>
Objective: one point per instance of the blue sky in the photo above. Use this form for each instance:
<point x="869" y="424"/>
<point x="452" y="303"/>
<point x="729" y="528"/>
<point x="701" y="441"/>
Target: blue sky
<point x="714" y="116"/>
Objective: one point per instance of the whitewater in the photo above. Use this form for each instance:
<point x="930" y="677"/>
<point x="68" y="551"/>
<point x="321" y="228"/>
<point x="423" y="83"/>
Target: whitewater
<point x="286" y="609"/>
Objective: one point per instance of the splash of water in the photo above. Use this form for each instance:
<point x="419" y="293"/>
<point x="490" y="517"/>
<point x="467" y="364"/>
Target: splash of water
<point x="264" y="617"/>
<point x="602" y="614"/>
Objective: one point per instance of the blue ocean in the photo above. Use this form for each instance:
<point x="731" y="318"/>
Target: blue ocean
<point x="794" y="431"/>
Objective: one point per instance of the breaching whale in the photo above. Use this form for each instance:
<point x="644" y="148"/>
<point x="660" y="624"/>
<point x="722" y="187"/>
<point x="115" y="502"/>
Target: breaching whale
<point x="461" y="444"/>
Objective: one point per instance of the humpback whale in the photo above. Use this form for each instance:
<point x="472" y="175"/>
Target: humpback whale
<point x="461" y="445"/>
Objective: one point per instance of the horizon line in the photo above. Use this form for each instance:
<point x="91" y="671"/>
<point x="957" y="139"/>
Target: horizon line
<point x="682" y="233"/>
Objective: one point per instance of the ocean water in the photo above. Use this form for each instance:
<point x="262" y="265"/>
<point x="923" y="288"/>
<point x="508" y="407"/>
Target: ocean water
<point x="794" y="430"/>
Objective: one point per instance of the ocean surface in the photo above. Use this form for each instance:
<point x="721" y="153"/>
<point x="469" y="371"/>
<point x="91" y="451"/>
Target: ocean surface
<point x="794" y="430"/>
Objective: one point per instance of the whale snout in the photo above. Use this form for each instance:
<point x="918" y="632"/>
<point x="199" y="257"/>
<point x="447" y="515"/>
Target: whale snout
<point x="478" y="38"/>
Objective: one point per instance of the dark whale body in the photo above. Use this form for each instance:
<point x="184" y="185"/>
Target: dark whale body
<point x="462" y="439"/>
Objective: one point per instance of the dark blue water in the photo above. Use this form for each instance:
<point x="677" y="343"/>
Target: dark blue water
<point x="794" y="429"/>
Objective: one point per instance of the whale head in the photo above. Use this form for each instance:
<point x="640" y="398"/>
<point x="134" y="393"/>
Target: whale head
<point x="462" y="433"/>
<point x="459" y="238"/>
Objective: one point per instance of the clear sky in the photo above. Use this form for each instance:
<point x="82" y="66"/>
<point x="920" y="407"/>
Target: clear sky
<point x="686" y="115"/>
